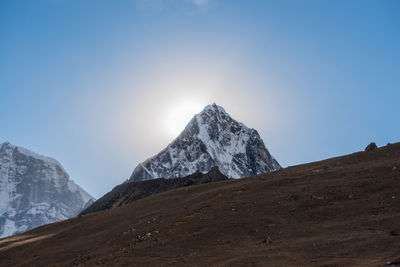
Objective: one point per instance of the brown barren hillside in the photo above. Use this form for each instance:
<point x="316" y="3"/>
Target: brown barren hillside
<point x="132" y="191"/>
<point x="343" y="211"/>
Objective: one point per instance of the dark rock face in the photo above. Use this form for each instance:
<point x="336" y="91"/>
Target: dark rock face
<point x="129" y="192"/>
<point x="372" y="146"/>
<point x="34" y="190"/>
<point x="212" y="138"/>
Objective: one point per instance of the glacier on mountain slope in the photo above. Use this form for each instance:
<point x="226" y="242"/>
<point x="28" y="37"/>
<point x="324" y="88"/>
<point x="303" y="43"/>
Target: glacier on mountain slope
<point x="35" y="190"/>
<point x="212" y="138"/>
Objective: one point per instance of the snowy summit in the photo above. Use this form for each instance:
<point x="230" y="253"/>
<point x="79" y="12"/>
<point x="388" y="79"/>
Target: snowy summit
<point x="35" y="190"/>
<point x="212" y="138"/>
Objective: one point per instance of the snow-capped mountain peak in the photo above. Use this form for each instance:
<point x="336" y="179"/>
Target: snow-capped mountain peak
<point x="211" y="138"/>
<point x="35" y="190"/>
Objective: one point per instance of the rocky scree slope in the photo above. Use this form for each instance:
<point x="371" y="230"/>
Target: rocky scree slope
<point x="212" y="138"/>
<point x="35" y="190"/>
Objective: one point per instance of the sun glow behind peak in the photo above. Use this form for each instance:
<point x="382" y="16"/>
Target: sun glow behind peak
<point x="179" y="115"/>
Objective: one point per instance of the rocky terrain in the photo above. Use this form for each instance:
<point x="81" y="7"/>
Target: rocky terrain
<point x="35" y="190"/>
<point x="343" y="211"/>
<point x="212" y="138"/>
<point x="129" y="192"/>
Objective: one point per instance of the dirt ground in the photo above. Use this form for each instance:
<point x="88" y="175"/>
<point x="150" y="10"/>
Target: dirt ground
<point x="343" y="211"/>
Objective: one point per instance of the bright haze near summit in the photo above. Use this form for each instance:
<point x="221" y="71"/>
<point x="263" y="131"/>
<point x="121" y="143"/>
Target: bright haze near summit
<point x="103" y="85"/>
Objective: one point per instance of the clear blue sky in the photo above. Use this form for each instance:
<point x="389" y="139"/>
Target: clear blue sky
<point x="90" y="82"/>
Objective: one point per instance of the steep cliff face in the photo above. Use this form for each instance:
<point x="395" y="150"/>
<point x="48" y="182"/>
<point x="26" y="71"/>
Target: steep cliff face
<point x="212" y="138"/>
<point x="35" y="190"/>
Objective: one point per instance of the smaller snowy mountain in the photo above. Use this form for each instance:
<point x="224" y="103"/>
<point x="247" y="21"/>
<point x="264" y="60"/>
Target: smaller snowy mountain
<point x="212" y="138"/>
<point x="35" y="190"/>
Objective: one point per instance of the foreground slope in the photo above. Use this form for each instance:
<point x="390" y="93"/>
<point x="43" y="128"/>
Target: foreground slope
<point x="340" y="211"/>
<point x="35" y="190"/>
<point x="128" y="192"/>
<point x="211" y="138"/>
